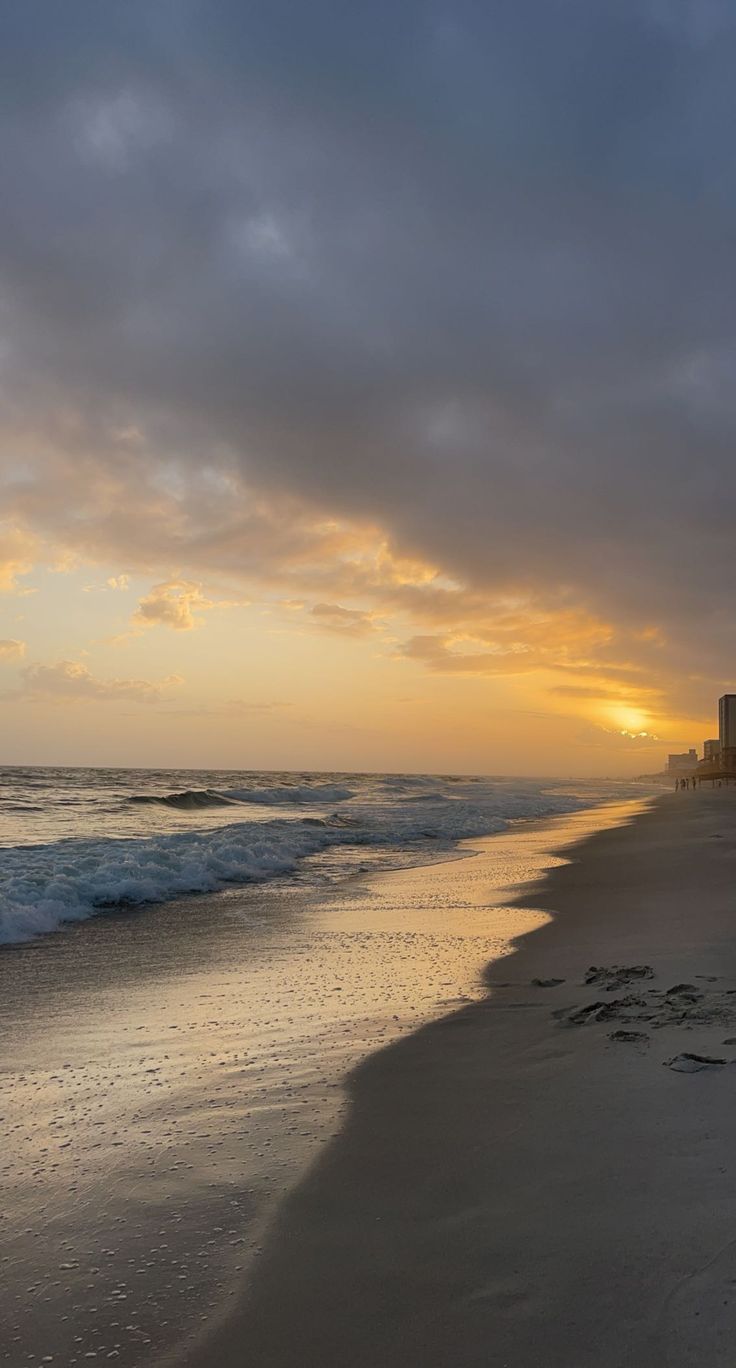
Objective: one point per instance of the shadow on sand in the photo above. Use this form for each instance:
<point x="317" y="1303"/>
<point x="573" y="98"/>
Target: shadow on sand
<point x="489" y="1200"/>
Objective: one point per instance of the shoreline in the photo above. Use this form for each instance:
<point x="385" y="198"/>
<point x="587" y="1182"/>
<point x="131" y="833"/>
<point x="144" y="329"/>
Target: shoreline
<point x="546" y="1166"/>
<point x="171" y="1074"/>
<point x="364" y="859"/>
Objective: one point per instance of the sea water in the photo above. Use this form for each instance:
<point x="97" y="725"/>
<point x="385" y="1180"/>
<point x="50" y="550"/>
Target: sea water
<point x="79" y="842"/>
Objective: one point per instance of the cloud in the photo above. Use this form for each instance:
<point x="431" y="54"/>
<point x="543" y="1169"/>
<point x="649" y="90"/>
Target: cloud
<point x="346" y="621"/>
<point x="114" y="582"/>
<point x="12" y="650"/>
<point x="438" y="654"/>
<point x="179" y="604"/>
<point x="622" y="740"/>
<point x="18" y="549"/>
<point x="70" y="681"/>
<point x="257" y="327"/>
<point x="504" y="639"/>
<point x="172" y="604"/>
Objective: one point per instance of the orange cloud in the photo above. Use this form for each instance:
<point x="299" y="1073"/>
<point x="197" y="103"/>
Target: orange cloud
<point x="12" y="650"/>
<point x="18" y="549"/>
<point x="348" y="621"/>
<point x="174" y="603"/>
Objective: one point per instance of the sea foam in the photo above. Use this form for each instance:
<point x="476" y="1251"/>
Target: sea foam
<point x="46" y="884"/>
<point x="43" y="886"/>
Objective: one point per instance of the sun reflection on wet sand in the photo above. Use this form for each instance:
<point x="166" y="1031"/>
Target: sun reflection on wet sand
<point x="168" y="1075"/>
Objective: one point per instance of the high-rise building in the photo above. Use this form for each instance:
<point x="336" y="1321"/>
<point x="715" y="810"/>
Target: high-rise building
<point x="711" y="749"/>
<point x="684" y="763"/>
<point x="727" y="721"/>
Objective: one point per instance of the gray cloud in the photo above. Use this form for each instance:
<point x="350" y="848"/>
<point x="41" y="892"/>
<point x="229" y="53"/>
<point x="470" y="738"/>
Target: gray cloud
<point x="68" y="681"/>
<point x="460" y="271"/>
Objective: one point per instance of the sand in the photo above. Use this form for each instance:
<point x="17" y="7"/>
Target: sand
<point x="168" y="1075"/>
<point x="546" y="1176"/>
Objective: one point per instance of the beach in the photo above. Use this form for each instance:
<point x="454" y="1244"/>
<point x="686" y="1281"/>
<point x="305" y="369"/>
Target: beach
<point x="367" y="924"/>
<point x="171" y="1075"/>
<point x="532" y="1179"/>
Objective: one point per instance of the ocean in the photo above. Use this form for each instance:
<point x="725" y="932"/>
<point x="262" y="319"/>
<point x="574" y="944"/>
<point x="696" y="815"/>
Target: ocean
<point x="75" y="843"/>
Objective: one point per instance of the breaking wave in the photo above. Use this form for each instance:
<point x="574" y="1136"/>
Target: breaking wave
<point x="188" y="801"/>
<point x="75" y="876"/>
<point x="191" y="799"/>
<point x="44" y="886"/>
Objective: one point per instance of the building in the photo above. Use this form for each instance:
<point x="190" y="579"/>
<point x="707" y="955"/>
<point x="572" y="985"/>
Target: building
<point x="727" y="721"/>
<point x="711" y="749"/>
<point x="682" y="764"/>
<point x="727" y="760"/>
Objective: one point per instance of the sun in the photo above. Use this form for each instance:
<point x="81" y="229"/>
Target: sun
<point x="629" y="719"/>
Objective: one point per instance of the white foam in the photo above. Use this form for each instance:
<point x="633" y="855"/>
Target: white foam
<point x="45" y="885"/>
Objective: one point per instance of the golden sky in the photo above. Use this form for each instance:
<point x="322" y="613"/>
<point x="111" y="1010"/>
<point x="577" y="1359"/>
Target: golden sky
<point x="366" y="390"/>
<point x="331" y="650"/>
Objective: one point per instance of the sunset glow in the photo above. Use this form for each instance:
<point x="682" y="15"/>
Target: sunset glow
<point x="292" y="488"/>
<point x="367" y="669"/>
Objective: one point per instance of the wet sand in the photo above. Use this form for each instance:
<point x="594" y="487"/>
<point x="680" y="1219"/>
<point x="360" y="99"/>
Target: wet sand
<point x="545" y="1177"/>
<point x="168" y="1076"/>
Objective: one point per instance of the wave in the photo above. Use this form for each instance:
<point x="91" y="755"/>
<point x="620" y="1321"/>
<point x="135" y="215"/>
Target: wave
<point x="66" y="881"/>
<point x="71" y="877"/>
<point x="188" y="800"/>
<point x="192" y="799"/>
<point x="43" y="886"/>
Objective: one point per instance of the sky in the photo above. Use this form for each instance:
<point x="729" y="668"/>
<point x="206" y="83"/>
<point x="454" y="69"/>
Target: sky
<point x="366" y="383"/>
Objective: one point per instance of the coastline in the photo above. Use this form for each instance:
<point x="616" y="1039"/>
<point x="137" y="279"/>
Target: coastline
<point x="515" y="1183"/>
<point x="170" y="1074"/>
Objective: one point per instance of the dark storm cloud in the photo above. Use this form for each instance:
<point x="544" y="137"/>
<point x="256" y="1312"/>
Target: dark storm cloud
<point x="465" y="270"/>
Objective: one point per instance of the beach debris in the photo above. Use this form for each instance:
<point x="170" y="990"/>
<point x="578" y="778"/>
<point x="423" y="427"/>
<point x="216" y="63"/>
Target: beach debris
<point x="617" y="975"/>
<point x="546" y="983"/>
<point x="631" y="1037"/>
<point x="694" y="1063"/>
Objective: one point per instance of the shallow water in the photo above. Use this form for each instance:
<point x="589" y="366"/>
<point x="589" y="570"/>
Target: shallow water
<point x="78" y="843"/>
<point x="169" y="1074"/>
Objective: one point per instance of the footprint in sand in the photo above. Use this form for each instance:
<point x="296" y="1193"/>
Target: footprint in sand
<point x="693" y="1063"/>
<point x="617" y="975"/>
